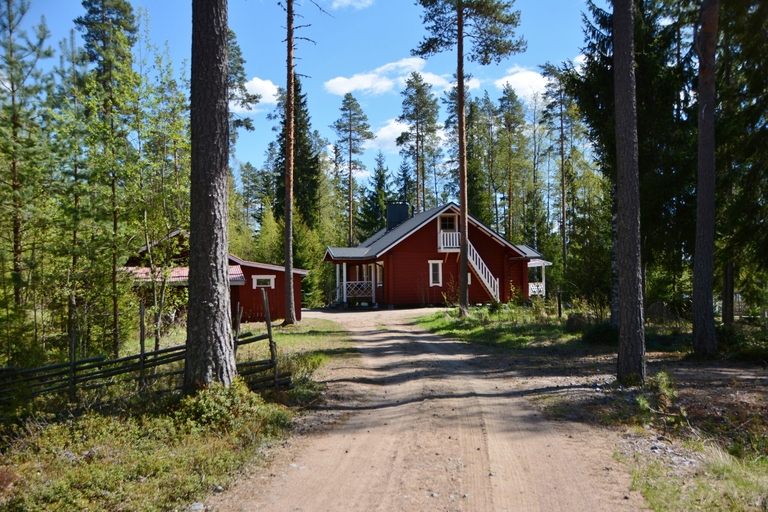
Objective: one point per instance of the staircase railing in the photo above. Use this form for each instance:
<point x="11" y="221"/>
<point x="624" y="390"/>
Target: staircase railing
<point x="490" y="282"/>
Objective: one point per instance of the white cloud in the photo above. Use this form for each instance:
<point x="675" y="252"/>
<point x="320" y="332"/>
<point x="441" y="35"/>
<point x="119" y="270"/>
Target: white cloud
<point x="472" y="84"/>
<point x="386" y="137"/>
<point x="525" y="82"/>
<point x="406" y="65"/>
<point x="265" y="88"/>
<point x="385" y="78"/>
<point x="355" y="4"/>
<point x="439" y="82"/>
<point x="578" y="62"/>
<point x="372" y="83"/>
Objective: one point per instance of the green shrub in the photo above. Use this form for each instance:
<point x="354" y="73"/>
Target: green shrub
<point x="230" y="409"/>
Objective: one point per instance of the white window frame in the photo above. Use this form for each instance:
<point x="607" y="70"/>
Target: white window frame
<point x="469" y="278"/>
<point x="439" y="264"/>
<point x="455" y="223"/>
<point x="271" y="279"/>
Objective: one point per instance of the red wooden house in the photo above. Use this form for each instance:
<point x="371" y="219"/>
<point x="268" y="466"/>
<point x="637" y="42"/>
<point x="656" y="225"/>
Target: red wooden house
<point x="246" y="279"/>
<point x="415" y="260"/>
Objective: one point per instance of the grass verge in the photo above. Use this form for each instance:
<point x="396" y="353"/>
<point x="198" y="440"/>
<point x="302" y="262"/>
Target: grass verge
<point x="156" y="453"/>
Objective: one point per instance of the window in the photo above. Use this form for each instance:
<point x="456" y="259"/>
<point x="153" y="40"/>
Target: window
<point x="263" y="281"/>
<point x="380" y="274"/>
<point x="435" y="273"/>
<point x="448" y="223"/>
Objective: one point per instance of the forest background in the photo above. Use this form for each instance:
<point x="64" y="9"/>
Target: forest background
<point x="94" y="149"/>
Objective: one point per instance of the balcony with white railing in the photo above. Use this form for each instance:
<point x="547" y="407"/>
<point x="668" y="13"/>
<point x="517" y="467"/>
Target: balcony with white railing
<point x="448" y="241"/>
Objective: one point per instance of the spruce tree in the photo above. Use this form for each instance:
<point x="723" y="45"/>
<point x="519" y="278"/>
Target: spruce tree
<point x="373" y="210"/>
<point x="239" y="96"/>
<point x="307" y="160"/>
<point x="405" y="190"/>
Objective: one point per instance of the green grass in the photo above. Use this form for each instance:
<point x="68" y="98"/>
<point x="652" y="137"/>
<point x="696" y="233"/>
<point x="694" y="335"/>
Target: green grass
<point x="153" y="452"/>
<point x="723" y="483"/>
<point x="508" y="328"/>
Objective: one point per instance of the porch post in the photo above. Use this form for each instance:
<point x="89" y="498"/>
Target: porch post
<point x="373" y="282"/>
<point x="344" y="282"/>
<point x="544" y="280"/>
<point x="337" y="282"/>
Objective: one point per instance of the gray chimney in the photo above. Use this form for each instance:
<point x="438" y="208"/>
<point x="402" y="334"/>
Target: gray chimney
<point x="397" y="213"/>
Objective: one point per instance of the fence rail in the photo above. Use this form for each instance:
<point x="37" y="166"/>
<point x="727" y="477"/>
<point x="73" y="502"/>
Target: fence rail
<point x="96" y="372"/>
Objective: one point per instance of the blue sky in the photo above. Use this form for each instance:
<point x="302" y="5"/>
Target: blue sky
<point x="359" y="46"/>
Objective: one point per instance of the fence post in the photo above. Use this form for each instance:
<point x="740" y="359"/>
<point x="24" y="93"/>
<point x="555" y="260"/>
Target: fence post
<point x="72" y="366"/>
<point x="272" y="347"/>
<point x="142" y="340"/>
<point x="238" y="315"/>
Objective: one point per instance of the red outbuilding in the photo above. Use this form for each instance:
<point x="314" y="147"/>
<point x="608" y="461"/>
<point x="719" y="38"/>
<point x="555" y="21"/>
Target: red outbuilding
<point x="415" y="261"/>
<point x="246" y="278"/>
<point x="271" y="278"/>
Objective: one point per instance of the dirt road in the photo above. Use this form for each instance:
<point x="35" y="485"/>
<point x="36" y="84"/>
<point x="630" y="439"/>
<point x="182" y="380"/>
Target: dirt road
<point x="426" y="423"/>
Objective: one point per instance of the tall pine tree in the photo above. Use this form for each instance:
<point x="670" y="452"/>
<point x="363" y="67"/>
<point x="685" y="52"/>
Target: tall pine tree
<point x="352" y="130"/>
<point x="490" y="25"/>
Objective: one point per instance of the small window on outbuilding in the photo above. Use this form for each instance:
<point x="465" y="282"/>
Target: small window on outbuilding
<point x="264" y="281"/>
<point x="435" y="273"/>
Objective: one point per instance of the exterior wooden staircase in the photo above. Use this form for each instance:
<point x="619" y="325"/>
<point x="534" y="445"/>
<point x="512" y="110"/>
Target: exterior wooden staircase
<point x="490" y="282"/>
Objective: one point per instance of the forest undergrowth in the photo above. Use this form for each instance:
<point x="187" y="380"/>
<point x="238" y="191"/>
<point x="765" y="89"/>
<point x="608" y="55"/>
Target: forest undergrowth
<point x="129" y="451"/>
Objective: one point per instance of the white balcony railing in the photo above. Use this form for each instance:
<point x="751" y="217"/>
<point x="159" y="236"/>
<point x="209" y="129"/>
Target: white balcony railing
<point x="448" y="241"/>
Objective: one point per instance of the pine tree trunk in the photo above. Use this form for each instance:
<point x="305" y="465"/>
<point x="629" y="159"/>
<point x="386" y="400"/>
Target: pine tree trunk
<point x="210" y="355"/>
<point x="704" y="340"/>
<point x="350" y="193"/>
<point x="290" y="309"/>
<point x="614" y="321"/>
<point x="563" y="233"/>
<point x="115" y="301"/>
<point x="462" y="129"/>
<point x="631" y="360"/>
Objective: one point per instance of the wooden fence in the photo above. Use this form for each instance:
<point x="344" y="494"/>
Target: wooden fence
<point x="145" y="368"/>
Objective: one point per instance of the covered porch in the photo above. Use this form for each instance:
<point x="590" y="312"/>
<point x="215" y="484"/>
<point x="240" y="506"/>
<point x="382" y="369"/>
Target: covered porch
<point x="359" y="282"/>
<point x="538" y="288"/>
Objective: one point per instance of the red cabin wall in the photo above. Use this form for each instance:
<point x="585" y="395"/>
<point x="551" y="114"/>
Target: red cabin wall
<point x="250" y="297"/>
<point x="406" y="272"/>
